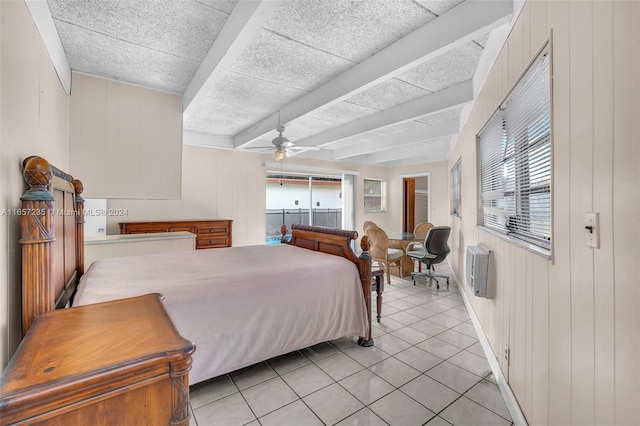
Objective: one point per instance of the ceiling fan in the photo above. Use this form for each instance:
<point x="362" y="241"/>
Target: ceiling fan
<point x="285" y="148"/>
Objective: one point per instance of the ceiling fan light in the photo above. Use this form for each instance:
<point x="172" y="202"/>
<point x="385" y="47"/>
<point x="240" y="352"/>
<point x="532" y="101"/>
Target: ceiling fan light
<point x="279" y="155"/>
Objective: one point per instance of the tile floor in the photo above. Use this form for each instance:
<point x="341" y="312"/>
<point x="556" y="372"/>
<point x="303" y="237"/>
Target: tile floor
<point x="427" y="367"/>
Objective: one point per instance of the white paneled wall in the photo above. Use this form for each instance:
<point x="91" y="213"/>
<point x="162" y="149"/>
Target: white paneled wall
<point x="216" y="184"/>
<point x="571" y="323"/>
<point x="125" y="140"/>
<point x="439" y="191"/>
<point x="34" y="121"/>
<point x="220" y="183"/>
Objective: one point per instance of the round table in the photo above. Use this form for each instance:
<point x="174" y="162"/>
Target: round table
<point x="401" y="240"/>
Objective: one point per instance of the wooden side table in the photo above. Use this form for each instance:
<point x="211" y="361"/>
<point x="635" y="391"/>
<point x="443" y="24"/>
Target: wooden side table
<point x="378" y="276"/>
<point x="113" y="363"/>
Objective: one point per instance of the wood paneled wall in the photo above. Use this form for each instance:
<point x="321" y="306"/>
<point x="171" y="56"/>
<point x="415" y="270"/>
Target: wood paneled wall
<point x="571" y="323"/>
<point x="216" y="183"/>
<point x="223" y="183"/>
<point x="34" y="120"/>
<point x="126" y="141"/>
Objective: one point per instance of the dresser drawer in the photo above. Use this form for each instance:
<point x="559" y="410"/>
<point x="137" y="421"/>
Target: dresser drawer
<point x="213" y="229"/>
<point x="184" y="228"/>
<point x="211" y="241"/>
<point x="154" y="228"/>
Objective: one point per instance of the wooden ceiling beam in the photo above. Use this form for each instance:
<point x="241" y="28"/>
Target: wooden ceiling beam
<point x="451" y="97"/>
<point x="398" y="140"/>
<point x="454" y="28"/>
<point x="436" y="150"/>
<point x="244" y="22"/>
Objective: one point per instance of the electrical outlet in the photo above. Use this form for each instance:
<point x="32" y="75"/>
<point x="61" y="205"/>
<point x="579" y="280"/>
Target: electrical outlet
<point x="592" y="228"/>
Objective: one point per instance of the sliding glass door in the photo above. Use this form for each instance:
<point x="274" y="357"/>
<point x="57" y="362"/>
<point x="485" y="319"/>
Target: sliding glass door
<point x="302" y="199"/>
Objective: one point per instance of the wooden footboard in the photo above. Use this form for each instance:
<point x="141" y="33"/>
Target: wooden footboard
<point x="338" y="242"/>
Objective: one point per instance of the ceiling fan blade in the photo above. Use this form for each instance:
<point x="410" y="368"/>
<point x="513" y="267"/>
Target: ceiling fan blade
<point x="305" y="148"/>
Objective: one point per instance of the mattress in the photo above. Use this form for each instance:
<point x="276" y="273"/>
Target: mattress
<point x="240" y="305"/>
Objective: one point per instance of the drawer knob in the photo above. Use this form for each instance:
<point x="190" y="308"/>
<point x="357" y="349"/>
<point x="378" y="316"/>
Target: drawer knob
<point x="211" y="242"/>
<point x="210" y="230"/>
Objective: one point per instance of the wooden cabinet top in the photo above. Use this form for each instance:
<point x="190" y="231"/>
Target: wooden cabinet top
<point x="83" y="347"/>
<point x="190" y="222"/>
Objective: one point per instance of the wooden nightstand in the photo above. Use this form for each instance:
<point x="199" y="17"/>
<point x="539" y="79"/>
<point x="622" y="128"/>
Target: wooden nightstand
<point x="113" y="363"/>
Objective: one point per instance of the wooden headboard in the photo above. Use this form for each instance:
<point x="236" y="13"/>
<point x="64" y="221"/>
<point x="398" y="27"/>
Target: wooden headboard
<point x="326" y="240"/>
<point x="52" y="238"/>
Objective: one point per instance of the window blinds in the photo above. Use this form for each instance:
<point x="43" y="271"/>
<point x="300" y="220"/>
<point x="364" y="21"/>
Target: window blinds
<point x="515" y="159"/>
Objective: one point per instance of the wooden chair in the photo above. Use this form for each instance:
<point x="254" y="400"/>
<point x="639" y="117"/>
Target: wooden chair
<point x="368" y="223"/>
<point x="420" y="231"/>
<point x="381" y="253"/>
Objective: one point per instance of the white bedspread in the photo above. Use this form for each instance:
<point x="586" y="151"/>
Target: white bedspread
<point x="240" y="305"/>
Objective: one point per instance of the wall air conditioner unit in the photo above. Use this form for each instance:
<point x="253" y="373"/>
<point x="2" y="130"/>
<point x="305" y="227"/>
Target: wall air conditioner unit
<point x="477" y="269"/>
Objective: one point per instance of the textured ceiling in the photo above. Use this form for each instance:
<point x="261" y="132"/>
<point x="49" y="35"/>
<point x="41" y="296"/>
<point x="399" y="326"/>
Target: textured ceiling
<point x="372" y="81"/>
<point x="353" y="30"/>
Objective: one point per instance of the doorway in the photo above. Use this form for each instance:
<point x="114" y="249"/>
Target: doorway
<point x="415" y="201"/>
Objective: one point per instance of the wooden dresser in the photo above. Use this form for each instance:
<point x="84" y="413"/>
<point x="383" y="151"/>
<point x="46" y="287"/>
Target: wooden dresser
<point x="113" y="363"/>
<point x="213" y="233"/>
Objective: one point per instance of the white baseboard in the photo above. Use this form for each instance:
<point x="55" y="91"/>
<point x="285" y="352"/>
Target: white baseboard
<point x="509" y="398"/>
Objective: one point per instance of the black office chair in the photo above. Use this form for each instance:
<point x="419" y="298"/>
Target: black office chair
<point x="435" y="250"/>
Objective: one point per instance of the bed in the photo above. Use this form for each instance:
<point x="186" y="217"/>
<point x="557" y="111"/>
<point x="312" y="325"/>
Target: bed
<point x="286" y="297"/>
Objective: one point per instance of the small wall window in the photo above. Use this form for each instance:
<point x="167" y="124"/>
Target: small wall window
<point x="515" y="159"/>
<point x="456" y="189"/>
<point x="374" y="196"/>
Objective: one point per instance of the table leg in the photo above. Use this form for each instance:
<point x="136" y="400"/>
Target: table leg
<point x="379" y="277"/>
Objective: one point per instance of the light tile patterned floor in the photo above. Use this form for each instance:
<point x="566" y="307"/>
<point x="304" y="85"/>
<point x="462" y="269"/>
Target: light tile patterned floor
<point x="426" y="368"/>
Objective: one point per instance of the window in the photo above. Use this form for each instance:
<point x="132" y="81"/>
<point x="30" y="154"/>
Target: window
<point x="456" y="189"/>
<point x="515" y="159"/>
<point x="302" y="199"/>
<point x="374" y="196"/>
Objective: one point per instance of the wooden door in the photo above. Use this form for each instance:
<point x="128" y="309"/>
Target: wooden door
<point x="408" y="204"/>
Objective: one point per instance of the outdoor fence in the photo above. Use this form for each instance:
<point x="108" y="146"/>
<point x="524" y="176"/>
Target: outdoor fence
<point x="331" y="218"/>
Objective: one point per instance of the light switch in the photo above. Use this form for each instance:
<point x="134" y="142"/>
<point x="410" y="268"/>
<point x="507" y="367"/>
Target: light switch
<point x="592" y="228"/>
